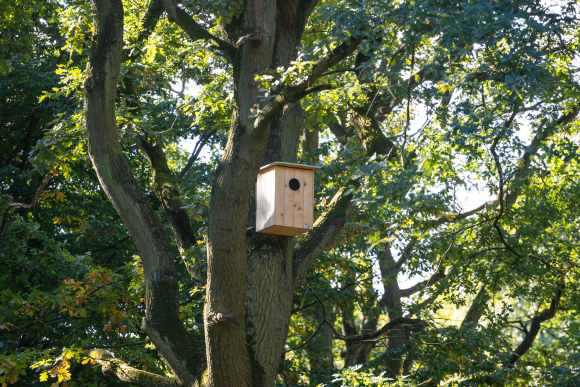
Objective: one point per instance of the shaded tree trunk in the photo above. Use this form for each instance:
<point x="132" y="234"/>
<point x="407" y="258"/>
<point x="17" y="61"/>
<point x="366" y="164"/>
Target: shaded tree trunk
<point x="477" y="308"/>
<point x="319" y="350"/>
<point x="392" y="300"/>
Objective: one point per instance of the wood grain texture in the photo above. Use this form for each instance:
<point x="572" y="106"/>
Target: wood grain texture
<point x="279" y="205"/>
<point x="289" y="165"/>
<point x="270" y="198"/>
<point x="265" y="199"/>
<point x="259" y="202"/>
<point x="288" y="198"/>
<point x="283" y="230"/>
<point x="299" y="200"/>
<point x="308" y="199"/>
<point x="279" y="209"/>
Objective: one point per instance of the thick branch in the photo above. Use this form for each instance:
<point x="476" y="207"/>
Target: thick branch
<point x="112" y="366"/>
<point x="370" y="133"/>
<point x="124" y="192"/>
<point x="193" y="29"/>
<point x="477" y="307"/>
<point x="406" y="254"/>
<point x="294" y="93"/>
<point x="525" y="162"/>
<point x="423" y="284"/>
<point x="532" y="150"/>
<point x="148" y="24"/>
<point x="197" y="150"/>
<point x="326" y="227"/>
<point x="339" y="131"/>
<point x="167" y="191"/>
<point x="537" y="321"/>
<point x="416" y="325"/>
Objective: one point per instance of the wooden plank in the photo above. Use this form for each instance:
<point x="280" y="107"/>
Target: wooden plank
<point x="270" y="198"/>
<point x="308" y="199"/>
<point x="283" y="230"/>
<point x="299" y="199"/>
<point x="288" y="198"/>
<point x="289" y="165"/>
<point x="259" y="203"/>
<point x="279" y="200"/>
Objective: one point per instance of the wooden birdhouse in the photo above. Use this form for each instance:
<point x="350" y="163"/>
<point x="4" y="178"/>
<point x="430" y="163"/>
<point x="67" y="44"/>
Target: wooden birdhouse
<point x="285" y="199"/>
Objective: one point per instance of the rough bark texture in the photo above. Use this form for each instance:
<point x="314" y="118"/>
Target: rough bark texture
<point x="349" y="329"/>
<point x="392" y="300"/>
<point x="167" y="190"/>
<point x="325" y="228"/>
<point x="162" y="315"/>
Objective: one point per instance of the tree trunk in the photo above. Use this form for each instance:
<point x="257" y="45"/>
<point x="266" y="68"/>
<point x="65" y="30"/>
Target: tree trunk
<point x="309" y="140"/>
<point x="161" y="322"/>
<point x="392" y="300"/>
<point x="477" y="307"/>
<point x="319" y="349"/>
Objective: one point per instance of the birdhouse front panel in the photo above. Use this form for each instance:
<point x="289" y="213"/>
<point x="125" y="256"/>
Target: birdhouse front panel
<point x="285" y="199"/>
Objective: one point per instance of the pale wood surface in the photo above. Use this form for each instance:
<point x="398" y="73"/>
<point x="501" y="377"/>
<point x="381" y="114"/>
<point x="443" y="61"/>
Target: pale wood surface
<point x="299" y="199"/>
<point x="283" y="230"/>
<point x="265" y="200"/>
<point x="270" y="198"/>
<point x="279" y="187"/>
<point x="288" y="198"/>
<point x="308" y="199"/>
<point x="289" y="165"/>
<point x="279" y="209"/>
<point x="259" y="203"/>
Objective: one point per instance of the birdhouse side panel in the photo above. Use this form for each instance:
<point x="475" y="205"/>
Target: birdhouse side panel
<point x="265" y="200"/>
<point x="308" y="199"/>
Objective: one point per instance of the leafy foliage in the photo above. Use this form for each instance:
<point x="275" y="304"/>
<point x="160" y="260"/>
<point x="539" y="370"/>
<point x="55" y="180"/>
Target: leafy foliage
<point x="474" y="96"/>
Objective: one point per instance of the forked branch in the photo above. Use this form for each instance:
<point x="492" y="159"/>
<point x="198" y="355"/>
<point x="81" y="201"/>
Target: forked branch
<point x="537" y="321"/>
<point x="193" y="29"/>
<point x="23" y="205"/>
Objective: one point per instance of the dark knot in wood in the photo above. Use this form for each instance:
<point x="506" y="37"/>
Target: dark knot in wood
<point x="255" y="37"/>
<point x="89" y="83"/>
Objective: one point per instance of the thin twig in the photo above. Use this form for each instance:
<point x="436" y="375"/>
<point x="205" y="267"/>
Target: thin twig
<point x="408" y="108"/>
<point x="196" y="151"/>
<point x="23" y="205"/>
<point x="115" y="346"/>
<point x="337" y="71"/>
<point x="309" y="339"/>
<point x="501" y="198"/>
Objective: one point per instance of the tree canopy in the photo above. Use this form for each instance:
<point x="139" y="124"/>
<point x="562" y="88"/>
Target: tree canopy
<point x="446" y="238"/>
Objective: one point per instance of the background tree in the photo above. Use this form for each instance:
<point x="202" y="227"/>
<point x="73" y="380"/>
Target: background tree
<point x="111" y="261"/>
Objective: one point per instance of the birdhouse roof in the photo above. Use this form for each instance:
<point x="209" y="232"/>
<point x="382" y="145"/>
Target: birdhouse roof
<point x="289" y="165"/>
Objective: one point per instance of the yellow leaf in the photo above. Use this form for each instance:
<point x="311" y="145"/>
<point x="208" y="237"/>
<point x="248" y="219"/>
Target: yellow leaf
<point x="44" y="376"/>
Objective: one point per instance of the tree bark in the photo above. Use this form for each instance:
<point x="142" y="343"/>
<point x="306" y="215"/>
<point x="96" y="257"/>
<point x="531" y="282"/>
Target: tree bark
<point x="392" y="300"/>
<point x="161" y="323"/>
<point x="319" y="350"/>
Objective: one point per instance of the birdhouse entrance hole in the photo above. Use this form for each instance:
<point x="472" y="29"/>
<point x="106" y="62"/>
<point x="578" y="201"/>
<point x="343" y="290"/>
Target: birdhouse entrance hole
<point x="294" y="185"/>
